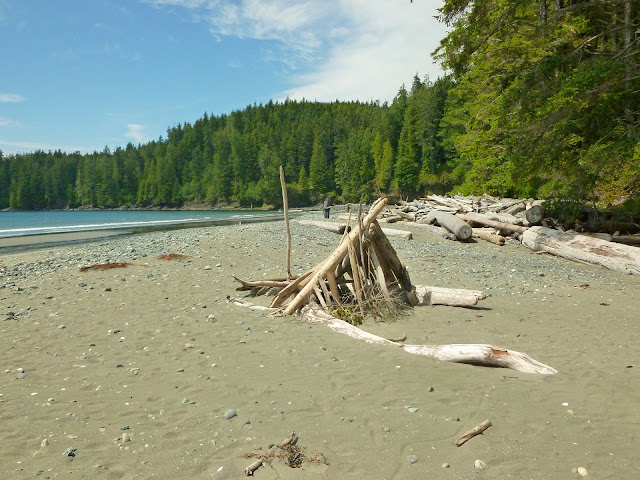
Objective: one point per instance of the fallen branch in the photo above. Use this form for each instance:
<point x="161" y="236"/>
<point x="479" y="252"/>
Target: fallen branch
<point x="477" y="430"/>
<point x="473" y="354"/>
<point x="106" y="266"/>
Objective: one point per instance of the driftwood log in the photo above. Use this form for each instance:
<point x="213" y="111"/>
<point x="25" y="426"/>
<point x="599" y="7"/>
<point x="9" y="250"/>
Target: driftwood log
<point x="478" y="218"/>
<point x="488" y="235"/>
<point x="455" y="225"/>
<point x="611" y="255"/>
<point x="473" y="354"/>
<point x="534" y="214"/>
<point x="453" y="297"/>
<point x="439" y="231"/>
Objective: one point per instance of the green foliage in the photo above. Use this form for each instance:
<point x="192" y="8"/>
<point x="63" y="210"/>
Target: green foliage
<point x="348" y="315"/>
<point x="543" y="103"/>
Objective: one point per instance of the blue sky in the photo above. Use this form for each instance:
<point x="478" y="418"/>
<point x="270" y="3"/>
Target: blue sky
<point x="79" y="75"/>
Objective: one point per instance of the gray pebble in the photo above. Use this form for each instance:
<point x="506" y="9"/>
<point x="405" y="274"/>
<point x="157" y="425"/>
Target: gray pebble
<point x="412" y="458"/>
<point x="229" y="414"/>
<point x="413" y="410"/>
<point x="386" y="429"/>
<point x="431" y="389"/>
<point x="445" y="465"/>
<point x="22" y="375"/>
<point x="185" y="400"/>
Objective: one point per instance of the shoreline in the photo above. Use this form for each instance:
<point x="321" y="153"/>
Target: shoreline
<point x="23" y="243"/>
<point x="156" y="348"/>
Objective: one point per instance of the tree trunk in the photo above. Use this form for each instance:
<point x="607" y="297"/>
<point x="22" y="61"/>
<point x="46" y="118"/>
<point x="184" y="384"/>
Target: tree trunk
<point x="611" y="255"/>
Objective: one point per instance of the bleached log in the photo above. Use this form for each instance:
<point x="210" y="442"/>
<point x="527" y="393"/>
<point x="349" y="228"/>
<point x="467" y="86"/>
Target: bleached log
<point x="455" y="225"/>
<point x="453" y="297"/>
<point x="473" y="217"/>
<point x="392" y="232"/>
<point x="391" y="219"/>
<point x="473" y="354"/>
<point x="611" y="255"/>
<point x="504" y="218"/>
<point x="488" y="236"/>
<point x="440" y="231"/>
<point x="331" y="227"/>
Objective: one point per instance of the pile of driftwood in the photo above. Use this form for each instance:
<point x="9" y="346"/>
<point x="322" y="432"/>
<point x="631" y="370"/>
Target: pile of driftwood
<point x="362" y="273"/>
<point x="495" y="220"/>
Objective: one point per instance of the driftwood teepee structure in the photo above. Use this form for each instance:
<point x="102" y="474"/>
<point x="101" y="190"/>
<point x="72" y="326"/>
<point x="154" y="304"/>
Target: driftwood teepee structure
<point x="361" y="272"/>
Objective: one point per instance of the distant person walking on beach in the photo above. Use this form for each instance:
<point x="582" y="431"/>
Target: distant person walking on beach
<point x="327" y="207"/>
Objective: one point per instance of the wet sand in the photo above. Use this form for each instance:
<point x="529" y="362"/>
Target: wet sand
<point x="155" y="351"/>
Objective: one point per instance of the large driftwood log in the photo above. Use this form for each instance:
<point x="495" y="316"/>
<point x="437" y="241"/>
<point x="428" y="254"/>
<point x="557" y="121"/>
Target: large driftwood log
<point x="453" y="297"/>
<point x="482" y="220"/>
<point x="473" y="354"/>
<point x="611" y="255"/>
<point x="455" y="225"/>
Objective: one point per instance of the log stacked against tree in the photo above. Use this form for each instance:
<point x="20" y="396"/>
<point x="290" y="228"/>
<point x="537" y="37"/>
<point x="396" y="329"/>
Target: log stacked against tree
<point x="362" y="269"/>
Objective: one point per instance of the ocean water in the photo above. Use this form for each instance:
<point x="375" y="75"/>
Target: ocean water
<point x="27" y="224"/>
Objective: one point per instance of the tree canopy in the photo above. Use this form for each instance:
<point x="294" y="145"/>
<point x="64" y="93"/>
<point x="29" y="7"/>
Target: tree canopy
<point x="541" y="98"/>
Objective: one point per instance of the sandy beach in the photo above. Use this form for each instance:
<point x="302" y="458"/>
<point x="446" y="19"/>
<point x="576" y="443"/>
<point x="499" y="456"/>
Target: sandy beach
<point x="131" y="373"/>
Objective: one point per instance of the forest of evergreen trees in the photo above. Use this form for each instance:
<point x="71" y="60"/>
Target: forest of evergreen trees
<point x="541" y="99"/>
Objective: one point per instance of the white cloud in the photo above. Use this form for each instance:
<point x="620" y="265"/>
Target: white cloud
<point x="11" y="98"/>
<point x="11" y="147"/>
<point x="136" y="132"/>
<point x="332" y="49"/>
<point x="7" y="122"/>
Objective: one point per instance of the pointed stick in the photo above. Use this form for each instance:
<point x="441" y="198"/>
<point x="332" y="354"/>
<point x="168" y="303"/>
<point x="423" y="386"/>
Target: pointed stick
<point x="285" y="203"/>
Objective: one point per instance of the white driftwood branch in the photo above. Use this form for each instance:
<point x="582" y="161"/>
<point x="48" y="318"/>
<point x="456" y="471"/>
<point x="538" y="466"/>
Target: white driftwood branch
<point x="454" y="297"/>
<point x="473" y="354"/>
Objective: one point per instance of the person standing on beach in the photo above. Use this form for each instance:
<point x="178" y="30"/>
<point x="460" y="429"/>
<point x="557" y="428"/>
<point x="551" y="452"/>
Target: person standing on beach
<point x="327" y="207"/>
